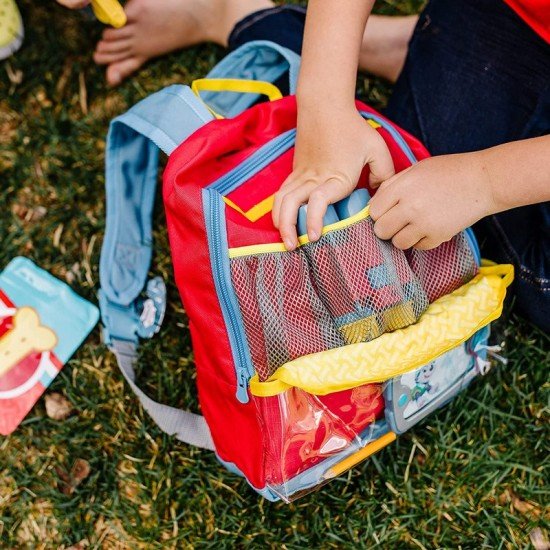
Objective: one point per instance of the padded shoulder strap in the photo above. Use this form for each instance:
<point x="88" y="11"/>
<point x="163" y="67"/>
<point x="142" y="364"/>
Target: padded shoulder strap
<point x="260" y="60"/>
<point x="161" y="121"/>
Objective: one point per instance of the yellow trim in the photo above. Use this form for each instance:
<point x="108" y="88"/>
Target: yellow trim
<point x="446" y="323"/>
<point x="240" y="251"/>
<point x="360" y="455"/>
<point x="234" y="85"/>
<point x="256" y="212"/>
<point x="373" y="123"/>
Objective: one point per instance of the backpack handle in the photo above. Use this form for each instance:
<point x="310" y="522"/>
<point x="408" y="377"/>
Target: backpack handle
<point x="235" y="85"/>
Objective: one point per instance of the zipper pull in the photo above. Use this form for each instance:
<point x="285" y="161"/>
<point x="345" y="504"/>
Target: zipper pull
<point x="484" y="365"/>
<point x="242" y="387"/>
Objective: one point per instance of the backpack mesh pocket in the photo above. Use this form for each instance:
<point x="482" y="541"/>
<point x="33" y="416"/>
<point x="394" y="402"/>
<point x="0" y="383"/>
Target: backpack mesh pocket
<point x="445" y="268"/>
<point x="346" y="288"/>
<point x="366" y="284"/>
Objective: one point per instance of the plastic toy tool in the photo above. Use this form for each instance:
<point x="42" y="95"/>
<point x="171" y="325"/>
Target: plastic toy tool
<point x="109" y="12"/>
<point x="339" y="211"/>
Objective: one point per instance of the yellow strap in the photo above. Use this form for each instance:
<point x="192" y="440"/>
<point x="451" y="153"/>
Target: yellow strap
<point x="109" y="12"/>
<point x="360" y="455"/>
<point x="505" y="271"/>
<point x="446" y="323"/>
<point x="235" y="85"/>
<point x="256" y="212"/>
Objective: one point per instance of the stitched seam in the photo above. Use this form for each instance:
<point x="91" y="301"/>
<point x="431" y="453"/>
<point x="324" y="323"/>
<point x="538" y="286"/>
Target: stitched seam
<point x="525" y="274"/>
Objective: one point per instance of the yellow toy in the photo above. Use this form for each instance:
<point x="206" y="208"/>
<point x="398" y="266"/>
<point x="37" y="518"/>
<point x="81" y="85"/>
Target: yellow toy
<point x="26" y="336"/>
<point x="109" y="12"/>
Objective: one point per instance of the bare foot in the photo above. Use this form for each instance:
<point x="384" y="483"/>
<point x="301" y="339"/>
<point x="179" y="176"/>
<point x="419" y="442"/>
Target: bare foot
<point x="157" y="27"/>
<point x="385" y="45"/>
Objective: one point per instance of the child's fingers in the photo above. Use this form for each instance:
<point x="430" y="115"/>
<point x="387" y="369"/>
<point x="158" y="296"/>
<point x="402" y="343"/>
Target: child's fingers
<point x="329" y="192"/>
<point x="316" y="209"/>
<point x="391" y="222"/>
<point x="379" y="160"/>
<point x="288" y="213"/>
<point x="426" y="244"/>
<point x="291" y="183"/>
<point x="407" y="237"/>
<point x="384" y="199"/>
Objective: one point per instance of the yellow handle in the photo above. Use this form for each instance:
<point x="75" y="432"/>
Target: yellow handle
<point x="109" y="12"/>
<point x="505" y="271"/>
<point x="235" y="85"/>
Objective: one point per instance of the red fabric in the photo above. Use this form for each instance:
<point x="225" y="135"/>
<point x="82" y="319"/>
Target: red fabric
<point x="536" y="13"/>
<point x="208" y="154"/>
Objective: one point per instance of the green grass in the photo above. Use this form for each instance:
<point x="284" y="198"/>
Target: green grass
<point x="442" y="485"/>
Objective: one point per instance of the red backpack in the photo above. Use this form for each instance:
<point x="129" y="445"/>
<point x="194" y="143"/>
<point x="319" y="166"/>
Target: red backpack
<point x="307" y="361"/>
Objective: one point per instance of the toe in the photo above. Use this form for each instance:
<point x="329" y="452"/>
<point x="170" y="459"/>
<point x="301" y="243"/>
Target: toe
<point x="106" y="58"/>
<point x="113" y="35"/>
<point x="117" y="72"/>
<point x="116" y="46"/>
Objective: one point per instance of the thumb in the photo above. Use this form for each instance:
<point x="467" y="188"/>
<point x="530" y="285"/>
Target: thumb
<point x="380" y="162"/>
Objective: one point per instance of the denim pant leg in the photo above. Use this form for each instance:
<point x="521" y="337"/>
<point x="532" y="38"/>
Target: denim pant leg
<point x="283" y="25"/>
<point x="476" y="76"/>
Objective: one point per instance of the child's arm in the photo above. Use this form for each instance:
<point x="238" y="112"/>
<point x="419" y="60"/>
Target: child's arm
<point x="433" y="200"/>
<point x="333" y="142"/>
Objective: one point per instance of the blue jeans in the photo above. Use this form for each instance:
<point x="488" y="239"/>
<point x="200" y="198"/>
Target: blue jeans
<point x="475" y="76"/>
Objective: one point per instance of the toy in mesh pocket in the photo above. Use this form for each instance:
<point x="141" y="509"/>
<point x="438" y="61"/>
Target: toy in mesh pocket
<point x="346" y="288"/>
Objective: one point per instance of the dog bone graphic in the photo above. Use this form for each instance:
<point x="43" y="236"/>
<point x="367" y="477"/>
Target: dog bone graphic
<point x="26" y="336"/>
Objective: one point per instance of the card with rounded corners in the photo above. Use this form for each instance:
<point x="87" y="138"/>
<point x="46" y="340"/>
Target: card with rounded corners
<point x="42" y="323"/>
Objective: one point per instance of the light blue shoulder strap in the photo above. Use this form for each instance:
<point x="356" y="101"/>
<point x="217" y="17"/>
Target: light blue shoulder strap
<point x="257" y="60"/>
<point x="162" y="121"/>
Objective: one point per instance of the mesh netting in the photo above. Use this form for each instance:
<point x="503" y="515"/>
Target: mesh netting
<point x="348" y="287"/>
<point x="445" y="268"/>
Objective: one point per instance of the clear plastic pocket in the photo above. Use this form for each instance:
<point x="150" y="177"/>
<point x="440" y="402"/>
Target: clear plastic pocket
<point x="308" y="437"/>
<point x="347" y="287"/>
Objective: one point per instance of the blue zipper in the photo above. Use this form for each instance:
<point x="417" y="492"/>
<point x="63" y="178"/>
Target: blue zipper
<point x="255" y="163"/>
<point x="214" y="212"/>
<point x="474" y="246"/>
<point x="217" y="243"/>
<point x="397" y="137"/>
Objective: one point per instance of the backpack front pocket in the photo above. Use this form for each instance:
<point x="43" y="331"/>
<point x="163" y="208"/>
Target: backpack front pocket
<point x="346" y="288"/>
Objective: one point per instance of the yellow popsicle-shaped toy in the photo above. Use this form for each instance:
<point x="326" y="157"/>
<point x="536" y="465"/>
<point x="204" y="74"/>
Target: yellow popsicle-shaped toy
<point x="109" y="12"/>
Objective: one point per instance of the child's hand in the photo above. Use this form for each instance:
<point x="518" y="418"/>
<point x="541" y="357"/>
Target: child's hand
<point x="329" y="157"/>
<point x="432" y="201"/>
<point x="74" y="4"/>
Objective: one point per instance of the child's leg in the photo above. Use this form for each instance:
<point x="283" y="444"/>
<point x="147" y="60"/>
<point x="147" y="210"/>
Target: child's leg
<point x="476" y="75"/>
<point x="156" y="27"/>
<point x="383" y="50"/>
